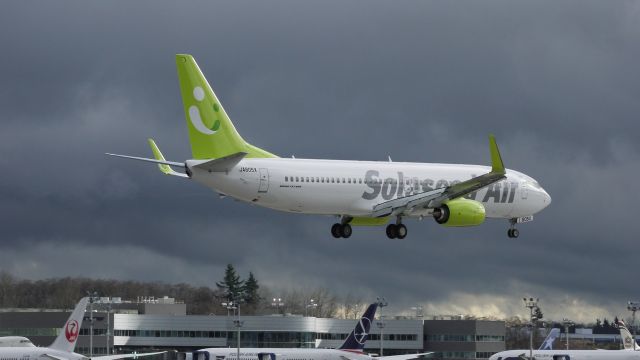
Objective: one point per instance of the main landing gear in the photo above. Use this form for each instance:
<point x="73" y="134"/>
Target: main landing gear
<point x="397" y="230"/>
<point x="339" y="230"/>
<point x="513" y="232"/>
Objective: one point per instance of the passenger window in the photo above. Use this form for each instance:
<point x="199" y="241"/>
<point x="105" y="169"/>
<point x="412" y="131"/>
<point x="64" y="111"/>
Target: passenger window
<point x="286" y="178"/>
<point x="307" y="179"/>
<point x="312" y="179"/>
<point x="317" y="179"/>
<point x="343" y="180"/>
<point x="297" y="179"/>
<point x="349" y="180"/>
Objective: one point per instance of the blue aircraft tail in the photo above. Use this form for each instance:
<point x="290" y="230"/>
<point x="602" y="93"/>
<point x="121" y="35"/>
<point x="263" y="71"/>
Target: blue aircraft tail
<point x="360" y="334"/>
<point x="547" y="344"/>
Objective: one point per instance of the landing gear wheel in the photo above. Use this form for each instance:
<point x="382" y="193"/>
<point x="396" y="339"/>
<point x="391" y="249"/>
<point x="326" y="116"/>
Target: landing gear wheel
<point x="335" y="230"/>
<point x="392" y="231"/>
<point x="345" y="230"/>
<point x="513" y="233"/>
<point x="401" y="231"/>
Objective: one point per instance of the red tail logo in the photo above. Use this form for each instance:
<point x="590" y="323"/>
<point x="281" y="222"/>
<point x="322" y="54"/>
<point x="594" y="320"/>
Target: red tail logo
<point x="71" y="331"/>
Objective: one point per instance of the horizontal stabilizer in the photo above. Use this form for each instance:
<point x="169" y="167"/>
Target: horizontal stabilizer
<point x="147" y="159"/>
<point x="222" y="164"/>
<point x="164" y="165"/>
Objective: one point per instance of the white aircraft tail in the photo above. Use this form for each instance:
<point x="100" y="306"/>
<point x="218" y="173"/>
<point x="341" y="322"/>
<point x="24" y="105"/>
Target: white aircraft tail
<point x="547" y="344"/>
<point x="628" y="341"/>
<point x="66" y="340"/>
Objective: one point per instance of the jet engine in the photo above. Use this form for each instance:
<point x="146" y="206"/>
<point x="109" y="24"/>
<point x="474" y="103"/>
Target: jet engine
<point x="459" y="212"/>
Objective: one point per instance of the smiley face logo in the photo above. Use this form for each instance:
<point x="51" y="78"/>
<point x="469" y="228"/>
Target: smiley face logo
<point x="196" y="118"/>
<point x="71" y="330"/>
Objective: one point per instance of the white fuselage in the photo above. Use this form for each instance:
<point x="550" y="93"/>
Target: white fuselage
<point x="15" y="341"/>
<point x="280" y="354"/>
<point x="36" y="353"/>
<point x="567" y="355"/>
<point x="339" y="187"/>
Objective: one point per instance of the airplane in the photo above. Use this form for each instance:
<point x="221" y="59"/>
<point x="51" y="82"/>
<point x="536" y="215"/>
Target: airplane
<point x="62" y="347"/>
<point x="550" y="354"/>
<point x="359" y="193"/>
<point x="351" y="349"/>
<point x="547" y="344"/>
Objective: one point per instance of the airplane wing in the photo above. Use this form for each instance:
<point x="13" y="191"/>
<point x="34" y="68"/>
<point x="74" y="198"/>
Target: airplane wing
<point x="126" y="356"/>
<point x="52" y="357"/>
<point x="405" y="356"/>
<point x="434" y="198"/>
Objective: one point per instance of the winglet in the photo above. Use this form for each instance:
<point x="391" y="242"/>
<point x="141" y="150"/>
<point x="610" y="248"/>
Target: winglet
<point x="158" y="156"/>
<point x="496" y="160"/>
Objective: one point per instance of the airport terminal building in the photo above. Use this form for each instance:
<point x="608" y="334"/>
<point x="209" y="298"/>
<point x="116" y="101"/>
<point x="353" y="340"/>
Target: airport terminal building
<point x="153" y="324"/>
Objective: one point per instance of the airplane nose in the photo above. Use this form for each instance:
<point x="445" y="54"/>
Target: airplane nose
<point x="546" y="198"/>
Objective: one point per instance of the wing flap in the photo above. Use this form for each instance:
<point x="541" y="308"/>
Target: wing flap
<point x="394" y="206"/>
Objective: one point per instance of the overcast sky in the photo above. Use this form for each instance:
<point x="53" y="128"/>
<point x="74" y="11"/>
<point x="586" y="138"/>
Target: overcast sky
<point x="557" y="82"/>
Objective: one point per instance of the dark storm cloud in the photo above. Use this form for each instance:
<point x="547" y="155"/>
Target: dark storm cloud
<point x="420" y="81"/>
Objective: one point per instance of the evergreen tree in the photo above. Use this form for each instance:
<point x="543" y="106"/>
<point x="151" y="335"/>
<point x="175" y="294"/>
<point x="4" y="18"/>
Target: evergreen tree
<point x="231" y="285"/>
<point x="250" y="290"/>
<point x="538" y="313"/>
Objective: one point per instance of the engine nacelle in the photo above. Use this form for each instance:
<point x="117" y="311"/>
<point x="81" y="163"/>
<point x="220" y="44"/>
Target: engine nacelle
<point x="459" y="212"/>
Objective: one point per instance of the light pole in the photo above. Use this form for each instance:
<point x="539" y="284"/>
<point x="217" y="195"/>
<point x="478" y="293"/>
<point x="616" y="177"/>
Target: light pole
<point x="277" y="303"/>
<point x="92" y="295"/>
<point x="230" y="305"/>
<point x="311" y="304"/>
<point x="567" y="324"/>
<point x="633" y="306"/>
<point x="418" y="309"/>
<point x="532" y="304"/>
<point x="108" y="332"/>
<point x="381" y="303"/>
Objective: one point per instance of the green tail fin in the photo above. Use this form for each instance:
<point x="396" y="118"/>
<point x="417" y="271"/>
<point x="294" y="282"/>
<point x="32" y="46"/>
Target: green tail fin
<point x="211" y="133"/>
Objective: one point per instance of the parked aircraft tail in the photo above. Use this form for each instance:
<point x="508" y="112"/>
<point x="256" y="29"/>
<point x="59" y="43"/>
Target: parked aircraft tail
<point x="547" y="344"/>
<point x="360" y="334"/>
<point x="628" y="341"/>
<point x="66" y="340"/>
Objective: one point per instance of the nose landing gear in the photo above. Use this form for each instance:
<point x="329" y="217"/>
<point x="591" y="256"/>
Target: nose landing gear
<point x="513" y="232"/>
